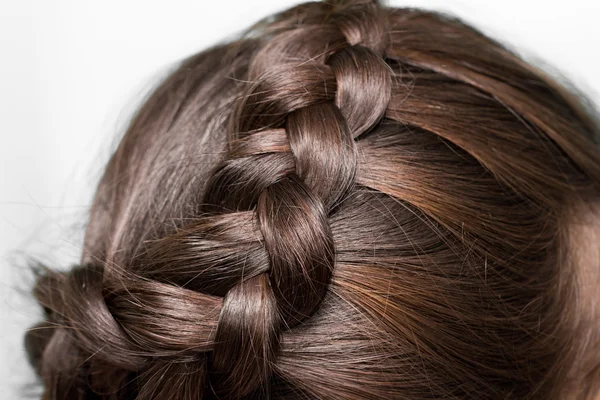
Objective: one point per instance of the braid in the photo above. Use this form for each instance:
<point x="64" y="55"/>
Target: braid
<point x="322" y="107"/>
<point x="261" y="239"/>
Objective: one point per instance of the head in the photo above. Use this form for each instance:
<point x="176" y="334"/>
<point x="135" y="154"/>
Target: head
<point x="348" y="202"/>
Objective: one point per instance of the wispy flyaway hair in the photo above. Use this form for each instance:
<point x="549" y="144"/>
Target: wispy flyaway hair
<point x="349" y="201"/>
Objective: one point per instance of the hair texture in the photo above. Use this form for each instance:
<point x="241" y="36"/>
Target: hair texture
<point x="349" y="201"/>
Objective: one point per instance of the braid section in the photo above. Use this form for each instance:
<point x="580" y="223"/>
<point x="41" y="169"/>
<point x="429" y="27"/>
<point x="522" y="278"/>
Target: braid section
<point x="323" y="98"/>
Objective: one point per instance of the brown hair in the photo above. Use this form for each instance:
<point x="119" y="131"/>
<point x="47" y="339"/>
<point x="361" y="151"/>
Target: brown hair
<point x="348" y="202"/>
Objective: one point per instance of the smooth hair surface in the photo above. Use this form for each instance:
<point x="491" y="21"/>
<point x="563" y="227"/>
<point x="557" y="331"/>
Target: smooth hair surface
<point x="349" y="201"/>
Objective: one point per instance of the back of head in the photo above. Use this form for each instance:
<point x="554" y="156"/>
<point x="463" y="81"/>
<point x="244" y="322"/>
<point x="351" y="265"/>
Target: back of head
<point x="348" y="202"/>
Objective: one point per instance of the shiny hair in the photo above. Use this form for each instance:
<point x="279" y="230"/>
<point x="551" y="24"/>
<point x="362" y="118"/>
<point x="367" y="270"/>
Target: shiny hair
<point x="349" y="201"/>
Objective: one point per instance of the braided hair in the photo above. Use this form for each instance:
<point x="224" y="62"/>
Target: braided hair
<point x="347" y="202"/>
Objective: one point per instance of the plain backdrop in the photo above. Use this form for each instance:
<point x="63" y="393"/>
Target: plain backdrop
<point x="73" y="71"/>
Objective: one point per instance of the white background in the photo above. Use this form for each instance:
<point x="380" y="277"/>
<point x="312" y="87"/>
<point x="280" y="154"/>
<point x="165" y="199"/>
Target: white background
<point x="72" y="71"/>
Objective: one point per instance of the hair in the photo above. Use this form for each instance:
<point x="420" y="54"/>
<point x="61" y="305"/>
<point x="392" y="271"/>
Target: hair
<point x="348" y="201"/>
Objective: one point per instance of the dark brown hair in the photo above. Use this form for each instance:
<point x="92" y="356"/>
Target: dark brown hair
<point x="348" y="202"/>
